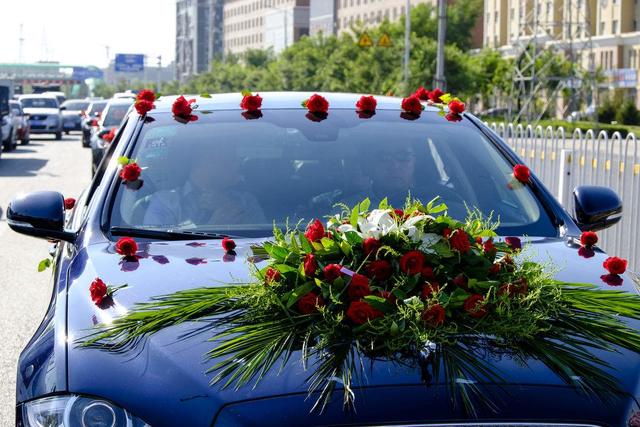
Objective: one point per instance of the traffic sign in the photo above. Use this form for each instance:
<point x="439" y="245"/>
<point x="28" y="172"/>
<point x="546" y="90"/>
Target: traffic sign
<point x="365" y="40"/>
<point x="129" y="62"/>
<point x="385" y="40"/>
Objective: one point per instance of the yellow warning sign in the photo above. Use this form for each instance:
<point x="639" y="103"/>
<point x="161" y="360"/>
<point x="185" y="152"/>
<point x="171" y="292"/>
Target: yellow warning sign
<point x="385" y="40"/>
<point x="365" y="40"/>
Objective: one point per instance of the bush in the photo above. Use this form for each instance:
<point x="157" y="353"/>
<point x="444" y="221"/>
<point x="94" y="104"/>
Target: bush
<point x="628" y="114"/>
<point x="606" y="112"/>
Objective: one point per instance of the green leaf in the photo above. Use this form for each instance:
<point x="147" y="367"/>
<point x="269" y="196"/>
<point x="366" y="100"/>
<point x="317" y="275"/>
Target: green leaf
<point x="353" y="218"/>
<point x="379" y="303"/>
<point x="446" y="98"/>
<point x="123" y="160"/>
<point x="384" y="204"/>
<point x="44" y="264"/>
<point x="364" y="205"/>
<point x="298" y="292"/>
<point x="304" y="243"/>
<point x="205" y="95"/>
<point x="353" y="238"/>
<point x="345" y="247"/>
<point x="246" y="92"/>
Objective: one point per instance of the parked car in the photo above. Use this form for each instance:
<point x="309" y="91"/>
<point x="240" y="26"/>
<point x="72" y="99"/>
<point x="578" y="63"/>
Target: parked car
<point x="7" y="130"/>
<point x="60" y="96"/>
<point x="90" y="120"/>
<point x="44" y="114"/>
<point x="588" y="114"/>
<point x="20" y="122"/>
<point x="283" y="168"/>
<point x="126" y="94"/>
<point x="73" y="110"/>
<point x="112" y="116"/>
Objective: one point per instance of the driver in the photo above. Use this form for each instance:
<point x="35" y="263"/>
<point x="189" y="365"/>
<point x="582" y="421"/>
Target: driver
<point x="208" y="197"/>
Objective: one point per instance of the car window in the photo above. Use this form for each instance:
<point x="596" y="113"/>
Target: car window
<point x="223" y="172"/>
<point x="75" y="105"/>
<point x="96" y="107"/>
<point x="39" y="103"/>
<point x="114" y="115"/>
<point x="15" y="109"/>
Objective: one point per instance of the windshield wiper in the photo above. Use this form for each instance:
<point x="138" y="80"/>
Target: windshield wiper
<point x="166" y="234"/>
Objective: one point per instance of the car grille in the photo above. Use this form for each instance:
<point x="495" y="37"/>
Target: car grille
<point x="38" y="117"/>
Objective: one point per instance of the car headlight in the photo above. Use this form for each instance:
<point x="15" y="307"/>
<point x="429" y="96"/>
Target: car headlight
<point x="68" y="411"/>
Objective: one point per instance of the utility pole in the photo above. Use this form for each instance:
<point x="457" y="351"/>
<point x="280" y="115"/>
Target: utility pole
<point x="158" y="74"/>
<point x="439" y="80"/>
<point x="407" y="47"/>
<point x="21" y="44"/>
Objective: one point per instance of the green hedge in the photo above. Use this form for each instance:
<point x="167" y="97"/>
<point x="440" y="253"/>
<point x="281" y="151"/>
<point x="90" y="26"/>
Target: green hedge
<point x="569" y="127"/>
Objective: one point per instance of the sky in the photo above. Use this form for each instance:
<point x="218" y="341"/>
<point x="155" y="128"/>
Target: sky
<point x="79" y="32"/>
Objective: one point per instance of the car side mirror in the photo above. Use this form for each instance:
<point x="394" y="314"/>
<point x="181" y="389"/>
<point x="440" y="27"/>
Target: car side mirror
<point x="596" y="208"/>
<point x="63" y="108"/>
<point x="39" y="214"/>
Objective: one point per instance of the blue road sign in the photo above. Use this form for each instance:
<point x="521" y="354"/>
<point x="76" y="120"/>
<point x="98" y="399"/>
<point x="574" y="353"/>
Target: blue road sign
<point x="129" y="62"/>
<point x="83" y="73"/>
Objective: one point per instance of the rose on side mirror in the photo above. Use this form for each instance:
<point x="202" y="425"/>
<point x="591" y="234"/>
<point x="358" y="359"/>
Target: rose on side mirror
<point x="596" y="207"/>
<point x="39" y="214"/>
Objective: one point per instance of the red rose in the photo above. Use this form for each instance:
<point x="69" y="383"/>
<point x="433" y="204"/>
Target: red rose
<point x="331" y="272"/>
<point x="506" y="289"/>
<point x="69" y="203"/>
<point x="371" y="245"/>
<point x="309" y="303"/>
<point x="358" y="287"/>
<point x="108" y="137"/>
<point x="453" y="117"/>
<point x="586" y="252"/>
<point x="521" y="173"/>
<point x="522" y="286"/>
<point x="126" y="246"/>
<point x="435" y="95"/>
<point x="459" y="241"/>
<point x="359" y="312"/>
<point x="612" y="279"/>
<point x="412" y="105"/>
<point x="434" y="315"/>
<point x="251" y="102"/>
<point x="460" y="281"/>
<point x="181" y="107"/>
<point x="588" y="238"/>
<point x="98" y="291"/>
<point x="144" y="106"/>
<point x="412" y="262"/>
<point x="379" y="270"/>
<point x="366" y="103"/>
<point x="422" y="94"/>
<point x="513" y="242"/>
<point x="615" y="265"/>
<point x="228" y="244"/>
<point x="315" y="231"/>
<point x="399" y="213"/>
<point x="456" y="107"/>
<point x="272" y="275"/>
<point x="446" y="232"/>
<point x="430" y="288"/>
<point x="317" y="104"/>
<point x="489" y="248"/>
<point x="474" y="306"/>
<point x="310" y="265"/>
<point x="130" y="172"/>
<point x="494" y="269"/>
<point x="146" y="95"/>
<point x="391" y="298"/>
<point x="427" y="273"/>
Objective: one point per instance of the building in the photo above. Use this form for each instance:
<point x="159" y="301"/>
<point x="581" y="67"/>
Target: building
<point x="600" y="34"/>
<point x="263" y="24"/>
<point x="338" y="16"/>
<point x="199" y="35"/>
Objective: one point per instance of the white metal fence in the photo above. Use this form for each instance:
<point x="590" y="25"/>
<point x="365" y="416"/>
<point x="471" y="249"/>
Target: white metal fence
<point x="564" y="161"/>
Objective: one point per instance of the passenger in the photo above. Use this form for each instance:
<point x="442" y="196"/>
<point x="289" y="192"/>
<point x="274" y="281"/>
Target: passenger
<point x="209" y="197"/>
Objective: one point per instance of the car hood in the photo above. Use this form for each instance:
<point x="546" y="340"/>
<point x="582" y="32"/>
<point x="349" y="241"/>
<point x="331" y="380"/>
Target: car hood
<point x="169" y="368"/>
<point x="48" y="111"/>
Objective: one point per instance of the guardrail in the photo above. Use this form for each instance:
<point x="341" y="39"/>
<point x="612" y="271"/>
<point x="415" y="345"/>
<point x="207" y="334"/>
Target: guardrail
<point x="564" y="162"/>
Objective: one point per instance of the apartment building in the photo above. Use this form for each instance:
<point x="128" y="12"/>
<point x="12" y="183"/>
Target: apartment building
<point x="198" y="35"/>
<point x="604" y="34"/>
<point x="261" y="24"/>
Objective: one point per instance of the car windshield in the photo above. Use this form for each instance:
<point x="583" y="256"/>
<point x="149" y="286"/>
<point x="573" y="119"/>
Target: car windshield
<point x="76" y="105"/>
<point x="39" y="103"/>
<point x="96" y="107"/>
<point x="226" y="174"/>
<point x="115" y="114"/>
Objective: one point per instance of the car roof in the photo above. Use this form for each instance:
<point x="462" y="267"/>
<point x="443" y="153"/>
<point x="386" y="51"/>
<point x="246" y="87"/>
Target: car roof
<point x="280" y="100"/>
<point x="38" y="95"/>
<point x="120" y="101"/>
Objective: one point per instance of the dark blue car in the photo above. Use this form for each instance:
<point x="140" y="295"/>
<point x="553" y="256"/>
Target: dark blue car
<point x="230" y="173"/>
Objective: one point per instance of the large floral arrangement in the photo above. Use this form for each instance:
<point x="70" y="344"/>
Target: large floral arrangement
<point x="404" y="285"/>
